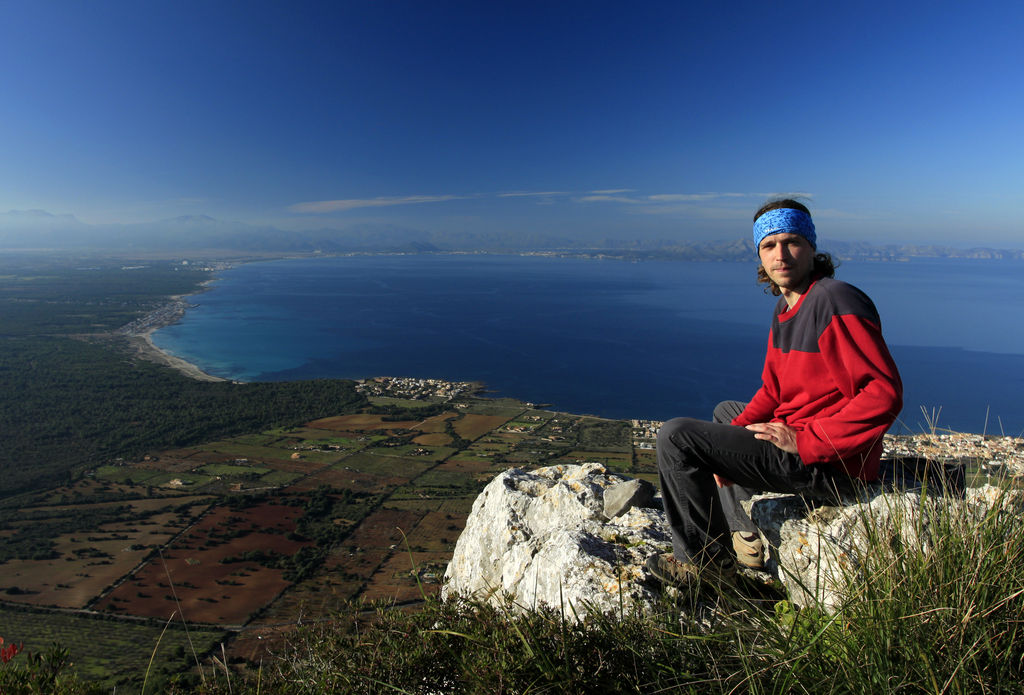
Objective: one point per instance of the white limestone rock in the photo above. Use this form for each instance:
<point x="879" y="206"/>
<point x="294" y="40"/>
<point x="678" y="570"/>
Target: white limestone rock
<point x="817" y="551"/>
<point x="621" y="497"/>
<point x="542" y="537"/>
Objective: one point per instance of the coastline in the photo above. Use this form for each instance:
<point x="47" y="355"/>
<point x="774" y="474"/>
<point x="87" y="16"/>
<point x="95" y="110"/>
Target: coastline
<point x="139" y="333"/>
<point x="143" y="346"/>
<point x="967" y="403"/>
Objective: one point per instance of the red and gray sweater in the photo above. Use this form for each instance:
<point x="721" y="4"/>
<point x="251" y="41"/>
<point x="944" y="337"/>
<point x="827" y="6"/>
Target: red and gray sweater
<point x="829" y="375"/>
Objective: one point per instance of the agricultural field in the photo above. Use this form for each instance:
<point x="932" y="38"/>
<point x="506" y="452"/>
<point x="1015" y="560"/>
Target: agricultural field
<point x="616" y="461"/>
<point x="254" y="533"/>
<point x="645" y="462"/>
<point x="362" y="422"/>
<point x="438" y="423"/>
<point x="474" y="426"/>
<point x="116" y="654"/>
<point x="214" y="573"/>
<point x="66" y="555"/>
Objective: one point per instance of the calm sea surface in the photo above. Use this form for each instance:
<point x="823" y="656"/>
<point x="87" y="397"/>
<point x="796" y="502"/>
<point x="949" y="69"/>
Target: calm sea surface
<point x="611" y="338"/>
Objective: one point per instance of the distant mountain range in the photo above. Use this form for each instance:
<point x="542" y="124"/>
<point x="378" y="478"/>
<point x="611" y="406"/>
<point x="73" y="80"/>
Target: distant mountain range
<point x="195" y="234"/>
<point x="743" y="250"/>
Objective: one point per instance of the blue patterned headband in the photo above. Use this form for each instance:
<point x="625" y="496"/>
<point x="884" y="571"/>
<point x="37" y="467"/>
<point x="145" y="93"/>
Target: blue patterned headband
<point x="782" y="220"/>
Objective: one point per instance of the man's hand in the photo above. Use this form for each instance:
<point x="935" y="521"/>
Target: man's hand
<point x="779" y="434"/>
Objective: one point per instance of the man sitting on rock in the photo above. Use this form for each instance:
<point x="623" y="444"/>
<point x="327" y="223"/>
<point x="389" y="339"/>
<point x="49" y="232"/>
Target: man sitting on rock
<point x="829" y="391"/>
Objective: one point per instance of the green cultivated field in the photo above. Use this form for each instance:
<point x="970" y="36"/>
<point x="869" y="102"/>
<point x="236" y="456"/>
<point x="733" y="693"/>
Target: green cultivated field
<point x="278" y="478"/>
<point x="401" y="402"/>
<point x="415" y="451"/>
<point x="111" y="651"/>
<point x="226" y="469"/>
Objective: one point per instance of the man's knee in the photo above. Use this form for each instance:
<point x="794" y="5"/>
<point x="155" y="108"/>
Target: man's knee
<point x="674" y="431"/>
<point x="727" y="411"/>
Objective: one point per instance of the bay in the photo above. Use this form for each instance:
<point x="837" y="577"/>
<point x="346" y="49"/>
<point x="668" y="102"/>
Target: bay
<point x="648" y="340"/>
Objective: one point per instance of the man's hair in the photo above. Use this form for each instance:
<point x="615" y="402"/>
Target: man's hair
<point x="824" y="266"/>
<point x="780" y="203"/>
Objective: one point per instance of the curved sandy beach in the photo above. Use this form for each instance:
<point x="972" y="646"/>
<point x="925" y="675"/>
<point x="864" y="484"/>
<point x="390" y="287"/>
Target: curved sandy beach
<point x="139" y="336"/>
<point x="144" y="348"/>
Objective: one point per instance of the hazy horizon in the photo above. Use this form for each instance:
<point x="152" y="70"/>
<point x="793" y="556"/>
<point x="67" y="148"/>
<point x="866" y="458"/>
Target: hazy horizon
<point x="895" y="123"/>
<point x="38" y="231"/>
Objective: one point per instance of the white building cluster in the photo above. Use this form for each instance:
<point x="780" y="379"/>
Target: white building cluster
<point x="645" y="433"/>
<point x="415" y="389"/>
<point x="994" y="454"/>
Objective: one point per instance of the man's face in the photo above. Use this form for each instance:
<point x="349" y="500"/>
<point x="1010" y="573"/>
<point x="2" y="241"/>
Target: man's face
<point x="788" y="259"/>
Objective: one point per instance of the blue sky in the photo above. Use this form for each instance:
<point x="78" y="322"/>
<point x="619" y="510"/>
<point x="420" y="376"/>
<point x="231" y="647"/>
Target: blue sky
<point x="898" y="121"/>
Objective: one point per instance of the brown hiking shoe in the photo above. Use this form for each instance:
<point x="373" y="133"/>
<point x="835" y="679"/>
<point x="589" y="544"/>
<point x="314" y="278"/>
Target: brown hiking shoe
<point x="749" y="549"/>
<point x="671" y="572"/>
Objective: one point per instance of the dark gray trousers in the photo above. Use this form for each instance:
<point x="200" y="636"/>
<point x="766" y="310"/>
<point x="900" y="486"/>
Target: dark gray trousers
<point x="732" y="495"/>
<point x="691" y="452"/>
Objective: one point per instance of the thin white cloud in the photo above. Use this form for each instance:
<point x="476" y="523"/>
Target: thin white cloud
<point x="693" y="197"/>
<point x="656" y="203"/>
<point x="526" y="194"/>
<point x="659" y="198"/>
<point x="676" y="202"/>
<point x="709" y="205"/>
<point x="606" y="199"/>
<point x="324" y="206"/>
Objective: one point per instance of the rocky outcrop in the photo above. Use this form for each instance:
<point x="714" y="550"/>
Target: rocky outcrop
<point x="576" y="538"/>
<point x="544" y="537"/>
<point x="819" y="551"/>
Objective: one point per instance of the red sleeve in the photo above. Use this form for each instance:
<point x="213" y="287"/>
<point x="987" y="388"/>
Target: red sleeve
<point x="761" y="407"/>
<point x="858" y="360"/>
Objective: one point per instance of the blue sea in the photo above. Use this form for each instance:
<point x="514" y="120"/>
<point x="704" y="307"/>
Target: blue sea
<point x="611" y="338"/>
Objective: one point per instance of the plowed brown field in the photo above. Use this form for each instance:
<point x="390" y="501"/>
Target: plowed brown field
<point x="396" y="578"/>
<point x="433" y="439"/>
<point x="438" y="423"/>
<point x="349" y="479"/>
<point x="209" y="590"/>
<point x="361" y="422"/>
<point x="475" y="426"/>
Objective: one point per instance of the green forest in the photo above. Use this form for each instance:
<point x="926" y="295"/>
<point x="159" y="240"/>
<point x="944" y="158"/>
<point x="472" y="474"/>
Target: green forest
<point x="72" y="396"/>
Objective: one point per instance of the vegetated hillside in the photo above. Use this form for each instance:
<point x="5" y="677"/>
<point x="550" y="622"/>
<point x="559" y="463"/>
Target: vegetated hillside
<point x="66" y="404"/>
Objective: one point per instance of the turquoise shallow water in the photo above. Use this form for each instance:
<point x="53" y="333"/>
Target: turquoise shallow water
<point x="618" y="339"/>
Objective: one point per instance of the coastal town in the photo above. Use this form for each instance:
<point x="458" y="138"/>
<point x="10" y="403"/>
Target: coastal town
<point x="645" y="433"/>
<point x="994" y="455"/>
<point x="163" y="316"/>
<point x="415" y="389"/>
<point x="171" y="312"/>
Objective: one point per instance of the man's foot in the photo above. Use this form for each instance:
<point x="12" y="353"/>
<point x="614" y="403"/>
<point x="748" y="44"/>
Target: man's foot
<point x="749" y="549"/>
<point x="671" y="572"/>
